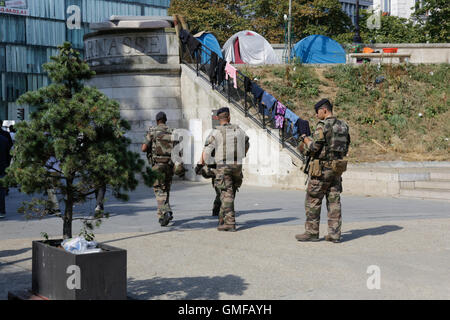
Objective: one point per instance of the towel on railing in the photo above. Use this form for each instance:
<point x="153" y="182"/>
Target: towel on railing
<point x="231" y="71"/>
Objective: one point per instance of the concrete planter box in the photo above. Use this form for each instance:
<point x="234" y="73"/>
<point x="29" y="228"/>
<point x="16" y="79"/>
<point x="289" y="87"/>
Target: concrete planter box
<point x="60" y="275"/>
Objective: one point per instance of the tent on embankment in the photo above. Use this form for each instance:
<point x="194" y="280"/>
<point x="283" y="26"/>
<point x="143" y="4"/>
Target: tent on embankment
<point x="318" y="49"/>
<point x="249" y="47"/>
<point x="211" y="43"/>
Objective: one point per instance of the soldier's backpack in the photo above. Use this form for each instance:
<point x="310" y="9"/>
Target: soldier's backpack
<point x="337" y="144"/>
<point x="339" y="138"/>
<point x="162" y="145"/>
<point x="230" y="141"/>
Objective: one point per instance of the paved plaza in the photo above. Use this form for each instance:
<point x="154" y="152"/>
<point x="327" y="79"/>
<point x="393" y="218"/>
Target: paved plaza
<point x="406" y="240"/>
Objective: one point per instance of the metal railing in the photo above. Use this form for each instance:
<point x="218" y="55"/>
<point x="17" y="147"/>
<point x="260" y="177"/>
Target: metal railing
<point x="200" y="62"/>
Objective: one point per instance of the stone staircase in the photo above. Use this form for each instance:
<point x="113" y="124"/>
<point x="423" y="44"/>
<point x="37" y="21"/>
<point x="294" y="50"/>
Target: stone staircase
<point x="426" y="183"/>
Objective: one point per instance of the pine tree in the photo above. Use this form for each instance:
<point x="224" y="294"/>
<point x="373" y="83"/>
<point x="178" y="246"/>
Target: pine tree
<point x="74" y="143"/>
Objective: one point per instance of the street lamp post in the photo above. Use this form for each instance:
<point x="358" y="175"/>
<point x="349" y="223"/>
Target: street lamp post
<point x="357" y="37"/>
<point x="289" y="31"/>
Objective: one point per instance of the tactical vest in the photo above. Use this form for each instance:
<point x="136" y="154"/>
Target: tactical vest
<point x="337" y="138"/>
<point x="162" y="144"/>
<point x="230" y="144"/>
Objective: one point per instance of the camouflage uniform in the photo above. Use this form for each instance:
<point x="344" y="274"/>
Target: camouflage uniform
<point x="228" y="174"/>
<point x="158" y="156"/>
<point x="329" y="142"/>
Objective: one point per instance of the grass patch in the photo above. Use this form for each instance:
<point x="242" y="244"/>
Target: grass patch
<point x="395" y="112"/>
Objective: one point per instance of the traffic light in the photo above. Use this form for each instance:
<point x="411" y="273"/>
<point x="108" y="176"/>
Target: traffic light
<point x="21" y="114"/>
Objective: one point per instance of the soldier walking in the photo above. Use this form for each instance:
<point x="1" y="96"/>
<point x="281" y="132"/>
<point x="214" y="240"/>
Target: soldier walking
<point x="158" y="145"/>
<point x="230" y="145"/>
<point x="208" y="172"/>
<point x="327" y="147"/>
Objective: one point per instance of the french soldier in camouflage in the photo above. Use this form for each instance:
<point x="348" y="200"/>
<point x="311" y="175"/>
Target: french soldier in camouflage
<point x="328" y="144"/>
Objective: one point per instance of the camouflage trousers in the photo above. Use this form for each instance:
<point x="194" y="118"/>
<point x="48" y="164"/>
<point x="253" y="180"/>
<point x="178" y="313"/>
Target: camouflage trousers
<point x="227" y="180"/>
<point x="330" y="186"/>
<point x="217" y="203"/>
<point x="161" y="187"/>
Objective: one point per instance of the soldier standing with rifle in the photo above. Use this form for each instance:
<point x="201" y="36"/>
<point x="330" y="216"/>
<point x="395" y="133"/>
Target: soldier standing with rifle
<point x="326" y="149"/>
<point x="230" y="145"/>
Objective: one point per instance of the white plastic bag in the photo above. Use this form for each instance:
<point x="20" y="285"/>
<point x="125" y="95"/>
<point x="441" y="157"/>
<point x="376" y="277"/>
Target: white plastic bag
<point x="80" y="245"/>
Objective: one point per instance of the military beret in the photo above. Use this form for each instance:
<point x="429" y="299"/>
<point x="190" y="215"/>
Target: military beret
<point x="222" y="110"/>
<point x="161" y="116"/>
<point x="321" y="103"/>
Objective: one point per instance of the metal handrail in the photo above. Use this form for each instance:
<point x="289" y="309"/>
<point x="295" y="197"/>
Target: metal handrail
<point x="200" y="60"/>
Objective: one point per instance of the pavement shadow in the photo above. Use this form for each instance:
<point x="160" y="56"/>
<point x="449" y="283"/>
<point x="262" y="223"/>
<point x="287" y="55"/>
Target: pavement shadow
<point x="376" y="231"/>
<point x="199" y="222"/>
<point x="257" y="211"/>
<point x="188" y="288"/>
<point x="255" y="223"/>
<point x="13" y="280"/>
<point x="10" y="253"/>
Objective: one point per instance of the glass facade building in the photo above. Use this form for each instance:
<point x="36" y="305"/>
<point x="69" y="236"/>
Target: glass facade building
<point x="349" y="7"/>
<point x="31" y="30"/>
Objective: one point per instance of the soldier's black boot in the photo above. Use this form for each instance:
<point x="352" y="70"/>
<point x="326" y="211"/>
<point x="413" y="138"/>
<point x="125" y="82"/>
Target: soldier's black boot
<point x="164" y="219"/>
<point x="306" y="237"/>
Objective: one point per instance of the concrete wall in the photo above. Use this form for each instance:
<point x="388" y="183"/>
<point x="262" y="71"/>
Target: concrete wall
<point x="141" y="97"/>
<point x="420" y="52"/>
<point x="140" y="69"/>
<point x="266" y="163"/>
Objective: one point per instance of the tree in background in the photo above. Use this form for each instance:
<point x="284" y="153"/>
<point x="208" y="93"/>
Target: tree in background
<point x="266" y="17"/>
<point x="223" y="18"/>
<point x="75" y="143"/>
<point x="434" y="16"/>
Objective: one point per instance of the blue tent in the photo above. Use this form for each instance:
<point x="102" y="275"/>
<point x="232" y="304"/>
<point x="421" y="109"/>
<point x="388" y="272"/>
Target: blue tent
<point x="318" y="49"/>
<point x="209" y="40"/>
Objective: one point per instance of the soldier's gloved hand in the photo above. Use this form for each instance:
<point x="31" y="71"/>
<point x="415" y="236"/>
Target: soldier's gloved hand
<point x="198" y="168"/>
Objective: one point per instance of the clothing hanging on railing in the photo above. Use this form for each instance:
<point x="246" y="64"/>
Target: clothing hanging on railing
<point x="303" y="127"/>
<point x="257" y="93"/>
<point x="221" y="71"/>
<point x="278" y="112"/>
<point x="280" y="109"/>
<point x="268" y="100"/>
<point x="291" y="121"/>
<point x="213" y="68"/>
<point x="192" y="43"/>
<point x="279" y="121"/>
<point x="184" y="34"/>
<point x="247" y="84"/>
<point x="231" y="71"/>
